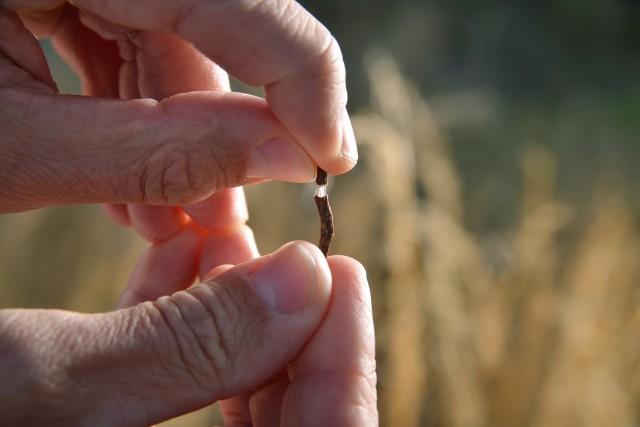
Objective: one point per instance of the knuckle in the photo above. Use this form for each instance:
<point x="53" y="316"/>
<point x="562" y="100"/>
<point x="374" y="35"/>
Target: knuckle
<point x="324" y="60"/>
<point x="327" y="70"/>
<point x="196" y="157"/>
<point x="170" y="175"/>
<point x="329" y="55"/>
<point x="212" y="328"/>
<point x="330" y="63"/>
<point x="290" y="14"/>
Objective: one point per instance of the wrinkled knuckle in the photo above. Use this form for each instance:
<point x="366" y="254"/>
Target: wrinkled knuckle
<point x="224" y="162"/>
<point x="330" y="60"/>
<point x="291" y="15"/>
<point x="194" y="343"/>
<point x="169" y="175"/>
<point x="213" y="334"/>
<point x="327" y="69"/>
<point x="237" y="318"/>
<point x="221" y="316"/>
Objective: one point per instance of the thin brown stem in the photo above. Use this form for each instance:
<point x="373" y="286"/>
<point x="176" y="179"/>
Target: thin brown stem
<point x="326" y="216"/>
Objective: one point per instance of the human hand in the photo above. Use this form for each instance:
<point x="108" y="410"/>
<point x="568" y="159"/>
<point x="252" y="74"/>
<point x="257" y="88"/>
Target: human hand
<point x="61" y="149"/>
<point x="59" y="158"/>
<point x="291" y="333"/>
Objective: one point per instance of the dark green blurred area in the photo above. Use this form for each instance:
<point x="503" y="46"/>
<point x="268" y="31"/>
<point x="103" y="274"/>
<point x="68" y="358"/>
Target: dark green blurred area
<point x="562" y="74"/>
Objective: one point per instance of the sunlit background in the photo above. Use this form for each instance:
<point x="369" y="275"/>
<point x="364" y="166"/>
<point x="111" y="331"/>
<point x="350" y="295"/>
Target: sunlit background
<point x="494" y="207"/>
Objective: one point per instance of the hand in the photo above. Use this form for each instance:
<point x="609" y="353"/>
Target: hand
<point x="289" y="332"/>
<point x="61" y="149"/>
<point x="180" y="150"/>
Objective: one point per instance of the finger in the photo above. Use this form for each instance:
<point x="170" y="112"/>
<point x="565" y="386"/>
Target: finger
<point x="226" y="245"/>
<point x="232" y="246"/>
<point x="168" y="65"/>
<point x="266" y="404"/>
<point x="178" y="151"/>
<point x="235" y="411"/>
<point x="42" y="23"/>
<point x="223" y="210"/>
<point x="128" y="80"/>
<point x="221" y="249"/>
<point x="333" y="380"/>
<point x="118" y="214"/>
<point x="127" y="88"/>
<point x="94" y="59"/>
<point x="164" y="268"/>
<point x="154" y="361"/>
<point x="157" y="223"/>
<point x="23" y="62"/>
<point x="287" y="51"/>
<point x="159" y="65"/>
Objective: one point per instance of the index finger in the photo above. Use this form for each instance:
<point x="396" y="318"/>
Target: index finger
<point x="333" y="380"/>
<point x="272" y="43"/>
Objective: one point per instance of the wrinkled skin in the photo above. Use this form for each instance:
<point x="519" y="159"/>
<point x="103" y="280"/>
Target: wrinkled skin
<point x="283" y="339"/>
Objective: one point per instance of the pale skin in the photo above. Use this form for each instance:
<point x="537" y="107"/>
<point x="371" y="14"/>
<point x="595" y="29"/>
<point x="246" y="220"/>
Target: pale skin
<point x="284" y="339"/>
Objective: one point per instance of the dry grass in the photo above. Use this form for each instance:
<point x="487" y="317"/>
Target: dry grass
<point x="545" y="336"/>
<point x="544" y="340"/>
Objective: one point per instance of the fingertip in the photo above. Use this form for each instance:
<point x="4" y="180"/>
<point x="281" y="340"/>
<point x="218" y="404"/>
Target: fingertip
<point x="311" y="104"/>
<point x="337" y="165"/>
<point x="349" y="147"/>
<point x="281" y="160"/>
<point x="323" y="272"/>
<point x="337" y="154"/>
<point x="347" y="269"/>
<point x="345" y="157"/>
<point x="293" y="278"/>
<point x="350" y="276"/>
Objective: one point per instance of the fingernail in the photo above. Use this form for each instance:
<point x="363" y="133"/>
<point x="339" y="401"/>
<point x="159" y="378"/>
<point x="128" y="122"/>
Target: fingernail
<point x="349" y="147"/>
<point x="280" y="160"/>
<point x="287" y="282"/>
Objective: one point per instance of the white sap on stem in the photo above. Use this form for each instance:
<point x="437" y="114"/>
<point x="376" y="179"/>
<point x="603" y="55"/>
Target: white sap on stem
<point x="321" y="191"/>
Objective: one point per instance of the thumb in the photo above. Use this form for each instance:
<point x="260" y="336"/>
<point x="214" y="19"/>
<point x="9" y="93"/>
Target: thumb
<point x="157" y="360"/>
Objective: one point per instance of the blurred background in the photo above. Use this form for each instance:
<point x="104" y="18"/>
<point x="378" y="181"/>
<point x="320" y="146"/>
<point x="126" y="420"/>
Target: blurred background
<point x="493" y="206"/>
